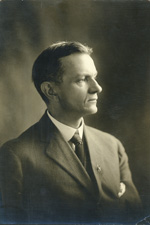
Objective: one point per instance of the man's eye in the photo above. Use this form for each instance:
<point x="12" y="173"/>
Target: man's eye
<point x="82" y="80"/>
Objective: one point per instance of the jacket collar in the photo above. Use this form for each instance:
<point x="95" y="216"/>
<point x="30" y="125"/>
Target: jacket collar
<point x="46" y="128"/>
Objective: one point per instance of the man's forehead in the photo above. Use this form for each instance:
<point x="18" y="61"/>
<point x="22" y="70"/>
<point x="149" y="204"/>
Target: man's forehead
<point x="78" y="61"/>
<point x="76" y="57"/>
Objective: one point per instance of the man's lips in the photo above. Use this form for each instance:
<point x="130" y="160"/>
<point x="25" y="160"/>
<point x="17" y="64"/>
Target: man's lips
<point x="92" y="100"/>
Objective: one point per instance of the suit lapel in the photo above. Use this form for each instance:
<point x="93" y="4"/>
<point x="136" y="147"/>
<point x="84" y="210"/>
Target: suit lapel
<point x="100" y="160"/>
<point x="95" y="155"/>
<point x="61" y="153"/>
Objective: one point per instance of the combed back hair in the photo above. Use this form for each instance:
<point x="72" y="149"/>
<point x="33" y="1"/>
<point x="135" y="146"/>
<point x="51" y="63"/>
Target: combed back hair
<point x="48" y="66"/>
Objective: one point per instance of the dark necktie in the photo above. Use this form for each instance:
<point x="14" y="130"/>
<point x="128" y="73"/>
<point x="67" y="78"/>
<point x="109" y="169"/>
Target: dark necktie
<point x="79" y="150"/>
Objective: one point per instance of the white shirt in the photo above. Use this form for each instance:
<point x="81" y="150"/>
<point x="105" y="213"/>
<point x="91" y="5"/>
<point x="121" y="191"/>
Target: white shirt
<point x="66" y="131"/>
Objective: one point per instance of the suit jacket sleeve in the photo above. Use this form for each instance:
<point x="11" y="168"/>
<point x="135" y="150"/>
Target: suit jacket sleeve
<point x="11" y="178"/>
<point x="130" y="199"/>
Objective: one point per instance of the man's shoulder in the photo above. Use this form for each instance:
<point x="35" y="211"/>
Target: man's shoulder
<point x="32" y="132"/>
<point x="30" y="136"/>
<point x="101" y="133"/>
<point x="101" y="136"/>
<point x="22" y="140"/>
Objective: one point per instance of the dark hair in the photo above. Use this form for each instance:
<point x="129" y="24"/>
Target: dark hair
<point x="48" y="66"/>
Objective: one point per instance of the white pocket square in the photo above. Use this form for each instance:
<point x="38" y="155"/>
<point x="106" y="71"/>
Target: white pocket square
<point x="122" y="189"/>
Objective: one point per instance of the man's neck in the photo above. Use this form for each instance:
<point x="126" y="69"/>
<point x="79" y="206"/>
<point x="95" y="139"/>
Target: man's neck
<point x="66" y="119"/>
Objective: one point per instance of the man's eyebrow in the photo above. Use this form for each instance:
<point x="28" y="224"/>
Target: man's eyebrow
<point x="86" y="74"/>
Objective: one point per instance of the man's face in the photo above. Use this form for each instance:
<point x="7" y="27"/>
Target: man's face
<point x="78" y="92"/>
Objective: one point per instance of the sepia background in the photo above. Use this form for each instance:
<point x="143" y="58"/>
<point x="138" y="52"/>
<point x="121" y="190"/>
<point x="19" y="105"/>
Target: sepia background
<point x="118" y="32"/>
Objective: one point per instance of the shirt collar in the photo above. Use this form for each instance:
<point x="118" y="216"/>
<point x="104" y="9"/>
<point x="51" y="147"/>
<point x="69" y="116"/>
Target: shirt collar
<point x="66" y="131"/>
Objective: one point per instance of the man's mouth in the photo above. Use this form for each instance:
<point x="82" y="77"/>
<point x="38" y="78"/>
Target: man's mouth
<point x="92" y="100"/>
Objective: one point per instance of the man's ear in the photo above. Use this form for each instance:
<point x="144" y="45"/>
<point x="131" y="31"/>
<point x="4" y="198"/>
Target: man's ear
<point x="48" y="89"/>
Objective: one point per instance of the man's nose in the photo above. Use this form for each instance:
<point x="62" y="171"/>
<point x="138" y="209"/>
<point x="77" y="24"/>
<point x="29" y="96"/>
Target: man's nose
<point x="95" y="87"/>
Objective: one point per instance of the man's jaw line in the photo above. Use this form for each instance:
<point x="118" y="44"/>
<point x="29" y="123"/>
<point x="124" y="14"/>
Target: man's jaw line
<point x="68" y="119"/>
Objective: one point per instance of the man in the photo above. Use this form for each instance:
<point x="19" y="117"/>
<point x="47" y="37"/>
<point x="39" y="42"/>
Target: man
<point x="61" y="170"/>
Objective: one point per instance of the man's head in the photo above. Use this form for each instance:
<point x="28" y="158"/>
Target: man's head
<point x="48" y="65"/>
<point x="65" y="76"/>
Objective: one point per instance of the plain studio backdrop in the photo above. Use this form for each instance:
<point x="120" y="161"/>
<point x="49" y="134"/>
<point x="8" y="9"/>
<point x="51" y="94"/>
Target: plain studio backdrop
<point x="118" y="32"/>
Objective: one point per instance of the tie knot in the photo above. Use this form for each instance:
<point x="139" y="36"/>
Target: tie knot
<point x="76" y="139"/>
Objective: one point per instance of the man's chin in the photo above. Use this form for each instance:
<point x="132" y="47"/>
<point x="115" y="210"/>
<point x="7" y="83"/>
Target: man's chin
<point x="92" y="111"/>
